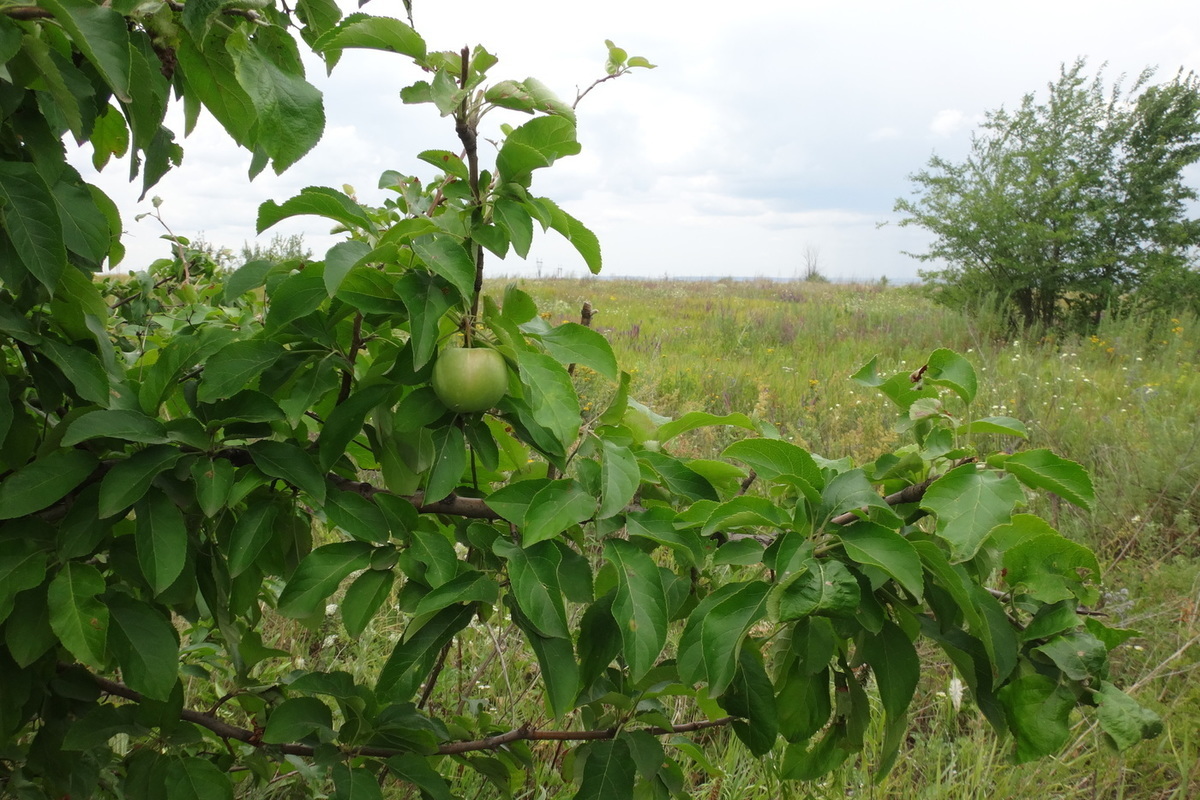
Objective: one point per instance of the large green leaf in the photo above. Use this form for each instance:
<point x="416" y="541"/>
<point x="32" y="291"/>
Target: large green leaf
<point x="868" y="543"/>
<point x="850" y="491"/>
<point x="236" y="366"/>
<point x="427" y="297"/>
<point x="364" y="598"/>
<point x="146" y="647"/>
<point x="554" y="508"/>
<point x="252" y="531"/>
<point x="820" y="586"/>
<point x="102" y="35"/>
<point x="608" y="772"/>
<point x="319" y="575"/>
<point x="81" y="368"/>
<point x="619" y="479"/>
<point x="1038" y="713"/>
<point x="947" y="368"/>
<point x="196" y="778"/>
<point x="709" y="646"/>
<point x="318" y="201"/>
<point x="1042" y="469"/>
<point x="968" y="504"/>
<point x="640" y="605"/>
<point x="290" y="116"/>
<point x="581" y="237"/>
<point x="701" y="419"/>
<point x="374" y="33"/>
<point x="572" y="343"/>
<point x="287" y="461"/>
<point x="1051" y="568"/>
<point x="1123" y="719"/>
<point x="132" y="426"/>
<point x="296" y="718"/>
<point x="533" y="572"/>
<point x="78" y="619"/>
<point x="346" y="420"/>
<point x="22" y="566"/>
<point x="752" y="698"/>
<point x="31" y="221"/>
<point x="771" y="458"/>
<point x="44" y="482"/>
<point x="449" y="463"/>
<point x="538" y="143"/>
<point x="421" y="642"/>
<point x="296" y="296"/>
<point x="447" y="256"/>
<point x="162" y="540"/>
<point x="127" y="481"/>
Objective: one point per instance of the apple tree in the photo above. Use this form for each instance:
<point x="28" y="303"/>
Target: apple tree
<point x="207" y="475"/>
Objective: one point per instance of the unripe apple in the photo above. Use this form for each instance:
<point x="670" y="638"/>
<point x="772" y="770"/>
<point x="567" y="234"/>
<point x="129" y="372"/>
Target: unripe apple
<point x="470" y="379"/>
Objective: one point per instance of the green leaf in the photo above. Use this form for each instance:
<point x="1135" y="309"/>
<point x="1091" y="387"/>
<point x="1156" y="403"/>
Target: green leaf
<point x="161" y="539"/>
<point x="1051" y="568"/>
<point x="515" y="221"/>
<point x="422" y="642"/>
<point x="364" y="598"/>
<point x="897" y="668"/>
<point x="619" y="479"/>
<point x="551" y="395"/>
<point x="771" y="458"/>
<point x="1038" y="713"/>
<point x="572" y="343"/>
<point x="356" y="515"/>
<point x="81" y="368"/>
<point x="374" y="33"/>
<point x="1078" y="654"/>
<point x="701" y="419"/>
<point x="449" y="463"/>
<point x="533" y="572"/>
<point x="126" y="481"/>
<point x="296" y="296"/>
<point x="22" y="566"/>
<point x="356" y="783"/>
<point x="555" y="508"/>
<point x="288" y="462"/>
<point x="339" y="260"/>
<point x="319" y="575"/>
<point x="213" y="478"/>
<point x="252" y="531"/>
<point x="427" y="298"/>
<point x="318" y="201"/>
<point x="236" y="366"/>
<point x="968" y="504"/>
<point x="290" y="116"/>
<point x="44" y="482"/>
<point x="820" y="586"/>
<point x="947" y="368"/>
<point x="581" y="238"/>
<point x="197" y="779"/>
<point x="85" y="227"/>
<point x="1003" y="426"/>
<point x="470" y="586"/>
<point x="1123" y="719"/>
<point x="448" y="162"/>
<point x="146" y="647"/>
<point x="745" y="512"/>
<point x="346" y="421"/>
<point x="752" y="698"/>
<point x="102" y="35"/>
<point x="296" y="718"/>
<point x="131" y="426"/>
<point x="538" y="143"/>
<point x="608" y="773"/>
<point x="850" y="491"/>
<point x="868" y="543"/>
<point x="713" y="636"/>
<point x="78" y="619"/>
<point x="447" y="256"/>
<point x="1042" y="469"/>
<point x="415" y="769"/>
<point x="640" y="605"/>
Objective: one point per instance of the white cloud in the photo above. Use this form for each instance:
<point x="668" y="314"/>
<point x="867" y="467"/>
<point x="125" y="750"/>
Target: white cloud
<point x="948" y="122"/>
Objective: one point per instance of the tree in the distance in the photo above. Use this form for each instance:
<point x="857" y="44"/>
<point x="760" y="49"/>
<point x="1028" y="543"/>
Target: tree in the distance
<point x="1065" y="206"/>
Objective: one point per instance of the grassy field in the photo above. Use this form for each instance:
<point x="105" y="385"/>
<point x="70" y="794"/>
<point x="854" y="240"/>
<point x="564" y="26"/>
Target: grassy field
<point x="1125" y="403"/>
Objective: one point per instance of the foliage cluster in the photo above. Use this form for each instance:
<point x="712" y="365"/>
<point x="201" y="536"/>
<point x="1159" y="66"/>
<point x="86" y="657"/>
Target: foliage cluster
<point x="246" y="447"/>
<point x="1069" y="207"/>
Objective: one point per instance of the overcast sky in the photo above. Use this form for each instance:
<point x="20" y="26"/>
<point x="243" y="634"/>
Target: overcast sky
<point x="768" y="127"/>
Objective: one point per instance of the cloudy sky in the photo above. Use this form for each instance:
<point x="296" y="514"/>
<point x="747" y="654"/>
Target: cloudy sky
<point x="769" y="128"/>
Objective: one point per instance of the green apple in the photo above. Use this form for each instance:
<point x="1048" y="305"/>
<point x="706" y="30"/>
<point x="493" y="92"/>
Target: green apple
<point x="470" y="379"/>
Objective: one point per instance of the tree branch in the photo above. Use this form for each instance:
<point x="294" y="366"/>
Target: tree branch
<point x="524" y="733"/>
